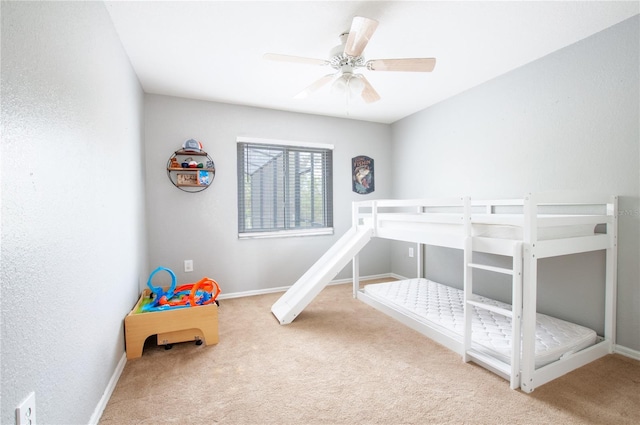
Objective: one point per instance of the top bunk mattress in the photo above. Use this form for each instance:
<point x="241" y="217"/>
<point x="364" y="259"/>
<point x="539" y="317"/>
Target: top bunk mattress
<point x="441" y="307"/>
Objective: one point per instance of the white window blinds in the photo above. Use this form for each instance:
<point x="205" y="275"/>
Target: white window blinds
<point x="284" y="189"/>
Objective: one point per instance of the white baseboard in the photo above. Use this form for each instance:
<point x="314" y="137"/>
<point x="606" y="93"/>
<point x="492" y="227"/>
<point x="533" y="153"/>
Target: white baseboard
<point x="634" y="354"/>
<point x="284" y="288"/>
<point x="97" y="413"/>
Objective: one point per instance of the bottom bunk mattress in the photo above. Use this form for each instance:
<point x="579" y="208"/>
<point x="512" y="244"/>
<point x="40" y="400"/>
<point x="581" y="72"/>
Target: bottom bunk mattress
<point x="442" y="307"/>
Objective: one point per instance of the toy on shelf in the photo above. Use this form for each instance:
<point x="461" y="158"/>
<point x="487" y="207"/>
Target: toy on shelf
<point x="192" y="145"/>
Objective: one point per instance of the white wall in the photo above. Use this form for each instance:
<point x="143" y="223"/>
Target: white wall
<point x="73" y="239"/>
<point x="203" y="226"/>
<point x="569" y="121"/>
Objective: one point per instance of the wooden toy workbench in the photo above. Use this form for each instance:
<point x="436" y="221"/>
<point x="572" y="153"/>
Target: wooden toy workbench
<point x="198" y="324"/>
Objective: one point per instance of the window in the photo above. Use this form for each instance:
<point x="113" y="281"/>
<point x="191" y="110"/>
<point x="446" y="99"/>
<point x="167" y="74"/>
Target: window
<point x="284" y="188"/>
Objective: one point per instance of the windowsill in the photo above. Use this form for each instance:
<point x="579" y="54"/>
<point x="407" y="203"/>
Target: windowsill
<point x="286" y="233"/>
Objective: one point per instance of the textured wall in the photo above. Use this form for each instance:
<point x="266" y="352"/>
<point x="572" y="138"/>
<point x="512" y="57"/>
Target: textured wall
<point x="568" y="121"/>
<point x="203" y="226"/>
<point x="72" y="206"/>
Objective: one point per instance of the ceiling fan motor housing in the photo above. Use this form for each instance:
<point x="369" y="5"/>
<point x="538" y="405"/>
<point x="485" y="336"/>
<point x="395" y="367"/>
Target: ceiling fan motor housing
<point x="345" y="63"/>
<point x="341" y="61"/>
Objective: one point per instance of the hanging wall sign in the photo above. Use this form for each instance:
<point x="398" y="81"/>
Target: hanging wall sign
<point x="362" y="173"/>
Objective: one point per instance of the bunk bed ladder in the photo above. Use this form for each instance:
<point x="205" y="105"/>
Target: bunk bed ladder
<point x="510" y="371"/>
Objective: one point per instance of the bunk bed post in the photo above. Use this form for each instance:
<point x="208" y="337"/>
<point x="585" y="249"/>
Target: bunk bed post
<point x="419" y="251"/>
<point x="516" y="309"/>
<point x="468" y="293"/>
<point x="466" y="202"/>
<point x="355" y="265"/>
<point x="419" y="260"/>
<point x="355" y="262"/>
<point x="374" y="217"/>
<point x="611" y="274"/>
<point x="467" y="279"/>
<point x="529" y="293"/>
<point x="355" y="209"/>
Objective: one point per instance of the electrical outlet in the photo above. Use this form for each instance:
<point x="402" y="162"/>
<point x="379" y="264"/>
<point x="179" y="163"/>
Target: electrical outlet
<point x="26" y="411"/>
<point x="410" y="252"/>
<point x="188" y="266"/>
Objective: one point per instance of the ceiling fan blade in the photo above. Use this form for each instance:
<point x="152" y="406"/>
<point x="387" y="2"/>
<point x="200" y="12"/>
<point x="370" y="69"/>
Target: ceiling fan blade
<point x="361" y="31"/>
<point x="294" y="59"/>
<point x="408" y="65"/>
<point x="369" y="95"/>
<point x="316" y="85"/>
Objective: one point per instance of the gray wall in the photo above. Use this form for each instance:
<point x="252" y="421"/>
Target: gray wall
<point x="73" y="242"/>
<point x="569" y="121"/>
<point x="203" y="226"/>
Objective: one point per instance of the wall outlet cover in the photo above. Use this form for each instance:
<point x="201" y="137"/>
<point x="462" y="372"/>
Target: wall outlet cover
<point x="188" y="266"/>
<point x="26" y="411"/>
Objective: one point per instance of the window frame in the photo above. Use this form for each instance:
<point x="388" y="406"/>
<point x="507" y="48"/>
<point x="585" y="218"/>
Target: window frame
<point x="293" y="145"/>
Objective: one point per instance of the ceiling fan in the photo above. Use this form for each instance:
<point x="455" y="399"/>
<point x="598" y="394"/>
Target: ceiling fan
<point x="347" y="57"/>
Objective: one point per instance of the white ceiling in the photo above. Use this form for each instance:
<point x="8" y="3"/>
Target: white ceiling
<point x="212" y="50"/>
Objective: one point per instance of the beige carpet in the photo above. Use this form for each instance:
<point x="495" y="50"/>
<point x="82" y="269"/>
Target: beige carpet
<point x="342" y="362"/>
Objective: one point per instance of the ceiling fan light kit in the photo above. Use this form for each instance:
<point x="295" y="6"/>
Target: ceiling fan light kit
<point x="349" y="84"/>
<point x="347" y="57"/>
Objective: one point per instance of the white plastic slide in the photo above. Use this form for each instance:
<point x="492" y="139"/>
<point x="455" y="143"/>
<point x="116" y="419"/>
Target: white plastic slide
<point x="292" y="302"/>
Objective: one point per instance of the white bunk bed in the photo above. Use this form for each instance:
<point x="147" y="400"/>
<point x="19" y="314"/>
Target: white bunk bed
<point x="512" y="340"/>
